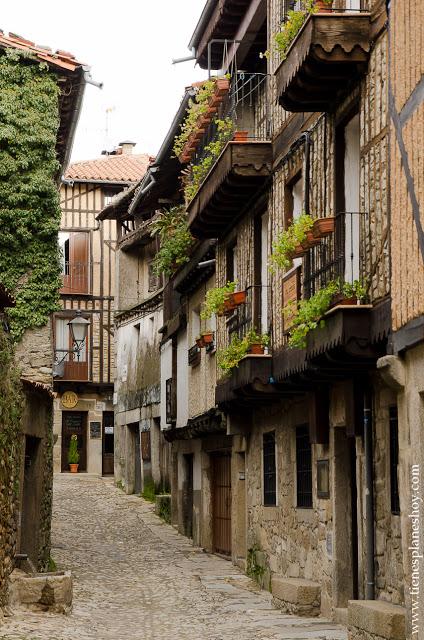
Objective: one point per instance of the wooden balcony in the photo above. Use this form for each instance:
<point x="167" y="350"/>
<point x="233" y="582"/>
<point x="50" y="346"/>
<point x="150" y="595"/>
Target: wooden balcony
<point x="238" y="174"/>
<point x="249" y="383"/>
<point x="75" y="370"/>
<point x="328" y="56"/>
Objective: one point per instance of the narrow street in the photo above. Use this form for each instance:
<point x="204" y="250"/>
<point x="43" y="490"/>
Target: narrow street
<point x="136" y="578"/>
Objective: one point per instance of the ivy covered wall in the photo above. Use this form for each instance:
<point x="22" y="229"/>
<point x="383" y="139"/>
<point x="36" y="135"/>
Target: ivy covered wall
<point x="29" y="198"/>
<point x="11" y="405"/>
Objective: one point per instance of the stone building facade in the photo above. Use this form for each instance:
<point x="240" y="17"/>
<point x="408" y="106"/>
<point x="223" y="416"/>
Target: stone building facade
<point x="318" y="439"/>
<point x="88" y="288"/>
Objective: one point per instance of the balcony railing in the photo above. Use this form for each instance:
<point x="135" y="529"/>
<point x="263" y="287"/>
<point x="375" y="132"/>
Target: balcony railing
<point x="68" y="367"/>
<point x="75" y="277"/>
<point x="327" y="56"/>
<point x="337" y="257"/>
<point x="246" y="106"/>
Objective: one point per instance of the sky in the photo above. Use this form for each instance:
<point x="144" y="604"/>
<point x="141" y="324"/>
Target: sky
<point x="129" y="45"/>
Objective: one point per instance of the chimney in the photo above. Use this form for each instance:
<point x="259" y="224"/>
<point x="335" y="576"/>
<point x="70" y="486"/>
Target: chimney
<point x="127" y="147"/>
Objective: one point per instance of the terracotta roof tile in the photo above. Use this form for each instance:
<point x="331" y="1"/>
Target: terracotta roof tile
<point x="119" y="168"/>
<point x="60" y="59"/>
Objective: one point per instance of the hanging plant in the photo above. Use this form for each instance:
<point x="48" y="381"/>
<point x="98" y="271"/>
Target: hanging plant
<point x="230" y="357"/>
<point x="175" y="240"/>
<point x="294" y="21"/>
<point x="215" y="300"/>
<point x="307" y="315"/>
<point x="198" y="172"/>
<point x="289" y="242"/>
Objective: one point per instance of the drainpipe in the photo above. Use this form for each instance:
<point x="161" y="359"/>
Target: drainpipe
<point x="369" y="498"/>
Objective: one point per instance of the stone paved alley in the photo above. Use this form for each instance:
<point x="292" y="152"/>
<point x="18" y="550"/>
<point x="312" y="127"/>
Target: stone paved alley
<point x="136" y="578"/>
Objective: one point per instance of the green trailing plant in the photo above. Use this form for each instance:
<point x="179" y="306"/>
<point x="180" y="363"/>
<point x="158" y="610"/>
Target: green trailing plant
<point x="175" y="240"/>
<point x="229" y="358"/>
<point x="307" y="315"/>
<point x="73" y="455"/>
<point x="149" y="490"/>
<point x="196" y="107"/>
<point x="288" y="240"/>
<point x="215" y="300"/>
<point x="198" y="172"/>
<point x="29" y="209"/>
<point x="289" y="29"/>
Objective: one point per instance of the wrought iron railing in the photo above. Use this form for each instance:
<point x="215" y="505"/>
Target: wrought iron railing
<point x="337" y="257"/>
<point x="246" y="106"/>
<point x="337" y="6"/>
<point x="248" y="315"/>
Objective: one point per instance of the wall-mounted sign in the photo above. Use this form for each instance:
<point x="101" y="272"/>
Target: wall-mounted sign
<point x="108" y="430"/>
<point x="291" y="294"/>
<point x="95" y="430"/>
<point x="323" y="479"/>
<point x="69" y="399"/>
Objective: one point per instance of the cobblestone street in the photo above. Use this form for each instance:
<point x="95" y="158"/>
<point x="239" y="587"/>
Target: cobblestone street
<point x="136" y="578"/>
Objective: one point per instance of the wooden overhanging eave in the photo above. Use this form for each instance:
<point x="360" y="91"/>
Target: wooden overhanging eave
<point x="249" y="383"/>
<point x="329" y="53"/>
<point x="239" y="172"/>
<point x="343" y="348"/>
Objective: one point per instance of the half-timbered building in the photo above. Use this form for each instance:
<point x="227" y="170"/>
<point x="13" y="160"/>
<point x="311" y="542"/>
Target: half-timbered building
<point x="84" y="378"/>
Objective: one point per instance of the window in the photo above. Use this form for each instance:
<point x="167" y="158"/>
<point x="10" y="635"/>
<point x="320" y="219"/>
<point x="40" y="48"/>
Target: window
<point x="270" y="473"/>
<point x="303" y="467"/>
<point x="74" y="251"/>
<point x="153" y="277"/>
<point x="232" y="263"/>
<point x="394" y="460"/>
<point x="69" y="365"/>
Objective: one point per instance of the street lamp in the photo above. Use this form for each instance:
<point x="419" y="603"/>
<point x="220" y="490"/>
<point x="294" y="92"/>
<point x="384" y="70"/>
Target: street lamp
<point x="78" y="328"/>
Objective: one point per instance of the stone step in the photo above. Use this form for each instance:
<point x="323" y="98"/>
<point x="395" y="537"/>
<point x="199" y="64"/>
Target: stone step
<point x="376" y="618"/>
<point x="296" y="595"/>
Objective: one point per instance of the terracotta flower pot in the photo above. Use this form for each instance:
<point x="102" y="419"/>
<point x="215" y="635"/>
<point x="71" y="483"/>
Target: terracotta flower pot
<point x="238" y="297"/>
<point x="299" y="251"/>
<point x="207" y="338"/>
<point x="229" y="306"/>
<point x="73" y="468"/>
<point x="323" y="7"/>
<point x="256" y="348"/>
<point x="240" y="136"/>
<point x="222" y="86"/>
<point x="323" y="227"/>
<point x="340" y="299"/>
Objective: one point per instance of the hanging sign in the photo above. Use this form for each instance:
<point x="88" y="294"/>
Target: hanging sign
<point x="69" y="399"/>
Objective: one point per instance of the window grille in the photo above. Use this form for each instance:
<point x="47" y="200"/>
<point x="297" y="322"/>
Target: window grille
<point x="303" y="467"/>
<point x="394" y="459"/>
<point x="270" y="474"/>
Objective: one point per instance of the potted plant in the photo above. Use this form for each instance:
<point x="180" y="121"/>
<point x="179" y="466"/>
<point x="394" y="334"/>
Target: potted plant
<point x="230" y="357"/>
<point x="207" y="337"/>
<point x="289" y="243"/>
<point x="73" y="455"/>
<point x="324" y="6"/>
<point x="238" y="297"/>
<point x="215" y="301"/>
<point x="323" y="227"/>
<point x="256" y="342"/>
<point x="350" y="293"/>
<point x="240" y="136"/>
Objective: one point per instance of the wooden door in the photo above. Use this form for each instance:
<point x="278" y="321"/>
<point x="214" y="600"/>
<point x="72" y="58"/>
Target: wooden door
<point x="221" y="503"/>
<point x="108" y="442"/>
<point x="74" y="422"/>
<point x="76" y="270"/>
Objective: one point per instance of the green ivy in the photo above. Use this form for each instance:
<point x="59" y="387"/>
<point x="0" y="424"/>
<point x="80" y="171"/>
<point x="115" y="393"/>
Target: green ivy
<point x="11" y="405"/>
<point x="29" y="197"/>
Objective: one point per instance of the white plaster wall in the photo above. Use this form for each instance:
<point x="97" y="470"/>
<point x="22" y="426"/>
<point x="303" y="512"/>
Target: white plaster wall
<point x="351" y="180"/>
<point x="182" y="380"/>
<point x="165" y="373"/>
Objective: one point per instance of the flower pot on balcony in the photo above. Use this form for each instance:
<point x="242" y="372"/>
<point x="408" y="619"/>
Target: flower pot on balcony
<point x="222" y="86"/>
<point x="299" y="251"/>
<point x="238" y="297"/>
<point x="207" y="338"/>
<point x="73" y="468"/>
<point x="323" y="227"/>
<point x="340" y="299"/>
<point x="323" y="6"/>
<point x="240" y="136"/>
<point x="257" y="349"/>
<point x="229" y="306"/>
<point x="200" y="342"/>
